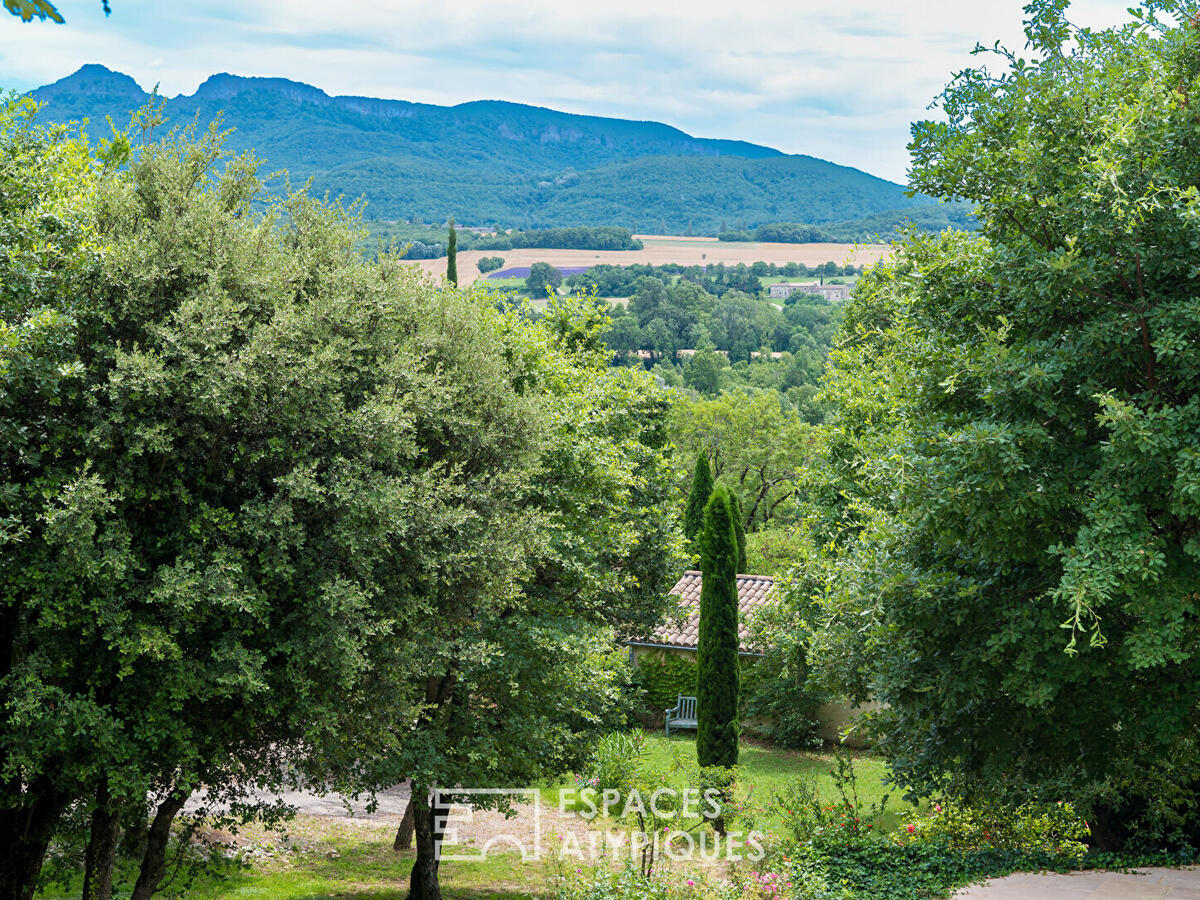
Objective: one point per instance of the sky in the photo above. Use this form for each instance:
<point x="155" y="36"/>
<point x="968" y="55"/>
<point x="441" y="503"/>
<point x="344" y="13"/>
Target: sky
<point x="840" y="81"/>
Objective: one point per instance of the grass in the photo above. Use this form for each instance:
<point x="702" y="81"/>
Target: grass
<point x="502" y="284"/>
<point x="767" y="769"/>
<point x="323" y="858"/>
<point x="332" y="859"/>
<point x="375" y="872"/>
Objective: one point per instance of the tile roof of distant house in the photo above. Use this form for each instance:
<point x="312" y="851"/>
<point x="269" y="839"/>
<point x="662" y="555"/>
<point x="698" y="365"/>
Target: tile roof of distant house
<point x="685" y="633"/>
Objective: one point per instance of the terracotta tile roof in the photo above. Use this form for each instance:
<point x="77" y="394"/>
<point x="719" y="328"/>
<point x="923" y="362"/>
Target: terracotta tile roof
<point x="684" y="633"/>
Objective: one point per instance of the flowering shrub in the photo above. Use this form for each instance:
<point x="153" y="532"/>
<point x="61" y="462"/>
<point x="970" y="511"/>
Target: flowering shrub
<point x="843" y="819"/>
<point x="756" y="885"/>
<point x="1052" y="828"/>
<point x="833" y="849"/>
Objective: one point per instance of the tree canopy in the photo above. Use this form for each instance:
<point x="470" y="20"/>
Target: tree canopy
<point x="42" y="9"/>
<point x="1015" y="484"/>
<point x="543" y="280"/>
<point x="270" y="511"/>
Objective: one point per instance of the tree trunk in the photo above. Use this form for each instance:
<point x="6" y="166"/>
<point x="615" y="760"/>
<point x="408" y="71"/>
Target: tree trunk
<point x="154" y="860"/>
<point x="25" y="833"/>
<point x="428" y="820"/>
<point x="101" y="852"/>
<point x="404" y="834"/>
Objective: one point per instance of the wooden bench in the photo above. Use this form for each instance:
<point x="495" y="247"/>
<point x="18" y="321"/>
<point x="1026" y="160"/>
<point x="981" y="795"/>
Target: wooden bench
<point x="682" y="715"/>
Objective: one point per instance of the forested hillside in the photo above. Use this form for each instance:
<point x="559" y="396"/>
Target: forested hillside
<point x="492" y="162"/>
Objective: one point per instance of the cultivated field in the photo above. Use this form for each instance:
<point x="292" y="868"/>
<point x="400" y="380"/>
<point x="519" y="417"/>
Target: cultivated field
<point x="692" y="251"/>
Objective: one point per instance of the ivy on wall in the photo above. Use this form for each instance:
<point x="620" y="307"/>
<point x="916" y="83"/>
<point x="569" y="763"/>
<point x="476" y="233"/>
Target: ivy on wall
<point x="662" y="677"/>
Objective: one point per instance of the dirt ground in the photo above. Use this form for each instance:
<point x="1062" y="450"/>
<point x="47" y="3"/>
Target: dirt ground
<point x="533" y="830"/>
<point x="659" y="249"/>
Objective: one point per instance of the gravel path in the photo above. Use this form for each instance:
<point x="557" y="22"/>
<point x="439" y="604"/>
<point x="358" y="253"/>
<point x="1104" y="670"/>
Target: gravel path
<point x="391" y="802"/>
<point x="1142" y="884"/>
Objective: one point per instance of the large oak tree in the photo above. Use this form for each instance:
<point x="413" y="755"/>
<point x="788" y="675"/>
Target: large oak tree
<point x="241" y="472"/>
<point x="1015" y="461"/>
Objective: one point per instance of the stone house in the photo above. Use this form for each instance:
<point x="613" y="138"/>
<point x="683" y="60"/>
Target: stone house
<point x="680" y="636"/>
<point x="835" y="293"/>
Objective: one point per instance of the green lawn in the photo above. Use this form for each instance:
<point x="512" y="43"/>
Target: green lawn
<point x="334" y="860"/>
<point x="767" y="769"/>
<point x="325" y="858"/>
<point x="501" y="284"/>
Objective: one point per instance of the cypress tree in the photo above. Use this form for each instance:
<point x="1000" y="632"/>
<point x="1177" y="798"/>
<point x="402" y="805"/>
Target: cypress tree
<point x="717" y="675"/>
<point x="739" y="529"/>
<point x="702" y="488"/>
<point x="452" y="256"/>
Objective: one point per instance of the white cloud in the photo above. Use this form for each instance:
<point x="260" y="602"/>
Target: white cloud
<point x="840" y="81"/>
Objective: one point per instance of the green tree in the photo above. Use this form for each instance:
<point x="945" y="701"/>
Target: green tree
<point x="739" y="529"/>
<point x="452" y="255"/>
<point x="241" y="466"/>
<point x="42" y="9"/>
<point x="717" y="677"/>
<point x="624" y="336"/>
<point x="756" y="444"/>
<point x="1017" y="417"/>
<point x="702" y="372"/>
<point x="46" y="183"/>
<point x="543" y="280"/>
<point x="513" y="689"/>
<point x="702" y="488"/>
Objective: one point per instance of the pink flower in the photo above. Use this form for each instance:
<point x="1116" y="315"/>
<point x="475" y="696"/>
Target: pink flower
<point x="691" y="883"/>
<point x="911" y="829"/>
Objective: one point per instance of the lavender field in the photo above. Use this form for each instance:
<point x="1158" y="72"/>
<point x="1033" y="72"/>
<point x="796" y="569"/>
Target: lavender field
<point x="523" y="271"/>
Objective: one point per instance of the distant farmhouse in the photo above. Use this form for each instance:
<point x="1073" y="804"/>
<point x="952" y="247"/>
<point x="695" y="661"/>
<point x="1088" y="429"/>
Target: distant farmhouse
<point x="679" y="637"/>
<point x="682" y="633"/>
<point x="835" y="293"/>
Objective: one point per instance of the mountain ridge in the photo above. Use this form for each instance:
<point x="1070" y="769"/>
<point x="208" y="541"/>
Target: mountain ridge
<point x="226" y="86"/>
<point x="494" y="161"/>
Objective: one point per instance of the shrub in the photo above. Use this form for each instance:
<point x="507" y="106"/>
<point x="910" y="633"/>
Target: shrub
<point x="780" y="689"/>
<point x="657" y="680"/>
<point x="623" y="781"/>
<point x="489" y="263"/>
<point x="834" y="848"/>
<point x="762" y="885"/>
<point x="615" y="762"/>
<point x="843" y="820"/>
<point x="1052" y="828"/>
